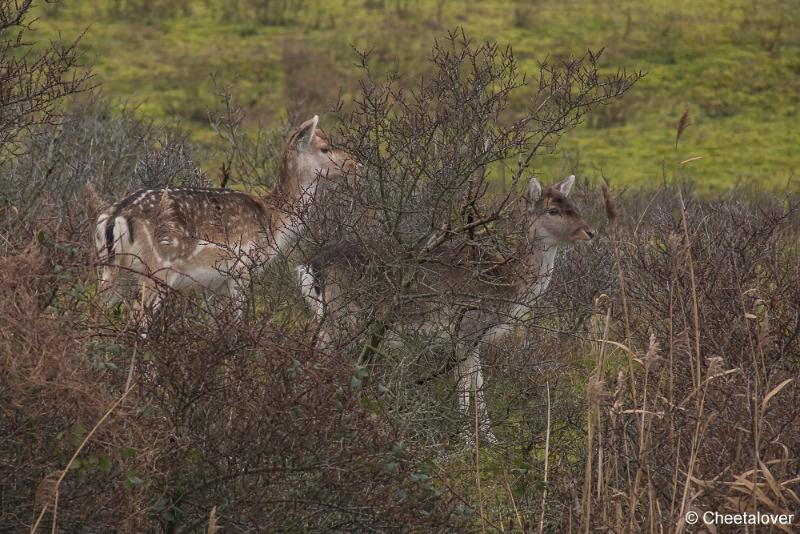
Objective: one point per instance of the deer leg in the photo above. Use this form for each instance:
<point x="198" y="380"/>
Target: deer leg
<point x="236" y="287"/>
<point x="311" y="289"/>
<point x="463" y="371"/>
<point x="150" y="300"/>
<point x="471" y="380"/>
<point x="106" y="287"/>
<point x="115" y="285"/>
<point x="484" y="423"/>
<point x="314" y="296"/>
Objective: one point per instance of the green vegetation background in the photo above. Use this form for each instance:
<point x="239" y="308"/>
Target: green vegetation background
<point x="735" y="64"/>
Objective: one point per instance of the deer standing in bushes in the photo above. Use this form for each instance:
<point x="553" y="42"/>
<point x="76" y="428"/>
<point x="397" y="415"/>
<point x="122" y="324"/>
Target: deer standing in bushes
<point x="478" y="309"/>
<point x="211" y="239"/>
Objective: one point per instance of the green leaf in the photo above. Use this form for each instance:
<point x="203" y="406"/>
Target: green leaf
<point x="78" y="432"/>
<point x="160" y="504"/>
<point x="399" y="448"/>
<point x="464" y="511"/>
<point x="361" y="371"/>
<point x="419" y="477"/>
<point x="127" y="453"/>
<point x="104" y="463"/>
<point x="194" y="454"/>
<point x="365" y="402"/>
<point x="390" y="467"/>
<point x="296" y="369"/>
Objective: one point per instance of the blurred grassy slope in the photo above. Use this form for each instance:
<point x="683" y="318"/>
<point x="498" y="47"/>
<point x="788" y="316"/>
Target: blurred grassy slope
<point x="734" y="63"/>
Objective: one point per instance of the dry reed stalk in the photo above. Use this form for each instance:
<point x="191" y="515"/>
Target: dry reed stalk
<point x="478" y="463"/>
<point x="650" y="358"/>
<point x="612" y="214"/>
<point x="625" y="315"/>
<point x="72" y="460"/>
<point x="696" y="354"/>
<point x="517" y="515"/>
<point x="756" y="424"/>
<point x="600" y="444"/>
<point x="546" y="461"/>
<point x="674" y="438"/>
<point x="213" y="518"/>
<point x="587" y="482"/>
<point x="770" y="495"/>
<point x="53" y="488"/>
<point x="758" y="409"/>
<point x="653" y="502"/>
<point x="693" y="282"/>
<point x="594" y="394"/>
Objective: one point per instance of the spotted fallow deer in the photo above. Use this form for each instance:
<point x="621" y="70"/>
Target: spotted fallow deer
<point x="473" y="309"/>
<point x="213" y="239"/>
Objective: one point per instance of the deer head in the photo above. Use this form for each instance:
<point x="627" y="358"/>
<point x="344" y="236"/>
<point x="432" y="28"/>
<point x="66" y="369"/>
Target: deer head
<point x="552" y="218"/>
<point x="308" y="156"/>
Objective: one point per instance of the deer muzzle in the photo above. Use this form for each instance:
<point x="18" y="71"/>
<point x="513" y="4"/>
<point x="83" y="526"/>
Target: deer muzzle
<point x="583" y="234"/>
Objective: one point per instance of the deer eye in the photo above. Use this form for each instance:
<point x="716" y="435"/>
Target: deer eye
<point x="326" y="149"/>
<point x="554" y="211"/>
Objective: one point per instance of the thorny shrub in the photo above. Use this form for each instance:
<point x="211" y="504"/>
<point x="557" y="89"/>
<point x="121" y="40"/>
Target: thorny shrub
<point x="34" y="81"/>
<point x="241" y="416"/>
<point x="428" y="203"/>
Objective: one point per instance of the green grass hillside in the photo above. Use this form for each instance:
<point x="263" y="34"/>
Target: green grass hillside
<point x="735" y="64"/>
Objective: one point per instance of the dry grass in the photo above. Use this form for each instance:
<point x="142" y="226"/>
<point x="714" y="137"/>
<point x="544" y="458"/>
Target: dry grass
<point x="708" y="336"/>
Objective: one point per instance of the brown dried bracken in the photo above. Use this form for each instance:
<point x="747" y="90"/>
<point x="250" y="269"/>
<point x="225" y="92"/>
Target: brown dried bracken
<point x="610" y="203"/>
<point x="652" y="358"/>
<point x="683" y="123"/>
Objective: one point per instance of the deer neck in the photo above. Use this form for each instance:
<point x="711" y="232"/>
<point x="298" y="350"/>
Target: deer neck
<point x="544" y="258"/>
<point x="541" y="261"/>
<point x="289" y="199"/>
<point x="296" y="183"/>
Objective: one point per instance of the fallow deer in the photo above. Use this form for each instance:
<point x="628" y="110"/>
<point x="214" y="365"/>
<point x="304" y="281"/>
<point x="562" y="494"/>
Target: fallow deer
<point x="207" y="238"/>
<point x="475" y="309"/>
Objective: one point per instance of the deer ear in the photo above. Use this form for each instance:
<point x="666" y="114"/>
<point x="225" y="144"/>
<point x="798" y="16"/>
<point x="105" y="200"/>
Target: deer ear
<point x="565" y="186"/>
<point x="534" y="191"/>
<point x="306" y="131"/>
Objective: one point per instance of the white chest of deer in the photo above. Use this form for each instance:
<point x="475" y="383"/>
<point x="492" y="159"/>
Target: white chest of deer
<point x="211" y="239"/>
